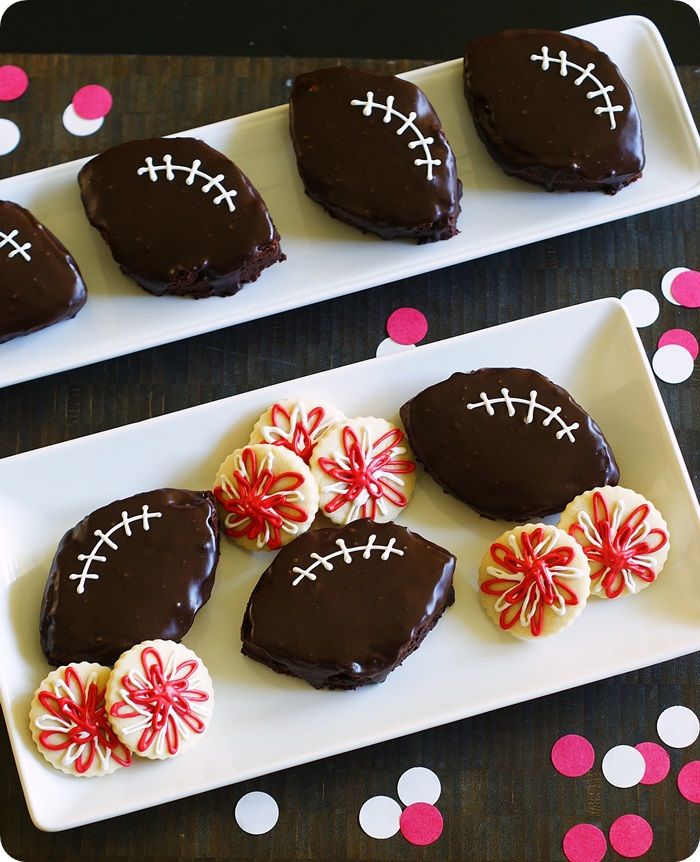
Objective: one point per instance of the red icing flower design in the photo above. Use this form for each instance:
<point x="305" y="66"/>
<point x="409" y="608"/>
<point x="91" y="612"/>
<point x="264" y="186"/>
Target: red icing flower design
<point x="366" y="474"/>
<point x="296" y="430"/>
<point x="76" y="722"/>
<point x="618" y="549"/>
<point x="162" y="701"/>
<point x="259" y="502"/>
<point x="529" y="577"/>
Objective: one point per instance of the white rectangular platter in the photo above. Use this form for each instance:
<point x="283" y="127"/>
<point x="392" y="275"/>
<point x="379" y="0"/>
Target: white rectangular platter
<point x="263" y="721"/>
<point x="326" y="258"/>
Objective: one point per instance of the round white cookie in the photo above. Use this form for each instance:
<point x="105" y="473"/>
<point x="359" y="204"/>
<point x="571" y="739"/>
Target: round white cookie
<point x="533" y="581"/>
<point x="69" y="724"/>
<point x="623" y="536"/>
<point x="296" y="425"/>
<point x="268" y="495"/>
<point x="159" y="698"/>
<point x="364" y="468"/>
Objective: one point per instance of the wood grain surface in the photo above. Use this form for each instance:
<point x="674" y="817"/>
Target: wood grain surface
<point x="501" y="799"/>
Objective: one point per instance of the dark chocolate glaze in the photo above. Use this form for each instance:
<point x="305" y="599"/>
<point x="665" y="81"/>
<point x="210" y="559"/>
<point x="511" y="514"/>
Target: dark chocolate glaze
<point x="359" y="169"/>
<point x="539" y="125"/>
<point x="355" y="623"/>
<point x="499" y="464"/>
<point x="169" y="235"/>
<point x="151" y="586"/>
<point x="38" y="292"/>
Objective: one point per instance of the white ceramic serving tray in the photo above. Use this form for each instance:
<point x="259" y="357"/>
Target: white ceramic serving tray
<point x="263" y="721"/>
<point x="326" y="258"/>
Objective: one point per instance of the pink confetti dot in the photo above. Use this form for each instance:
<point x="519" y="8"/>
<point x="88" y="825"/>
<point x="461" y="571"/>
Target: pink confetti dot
<point x="657" y="761"/>
<point x="686" y="288"/>
<point x="573" y="755"/>
<point x="631" y="836"/>
<point x="92" y="102"/>
<point x="585" y="843"/>
<point x="421" y="824"/>
<point x="689" y="781"/>
<point x="13" y="83"/>
<point x="683" y="338"/>
<point x="407" y="325"/>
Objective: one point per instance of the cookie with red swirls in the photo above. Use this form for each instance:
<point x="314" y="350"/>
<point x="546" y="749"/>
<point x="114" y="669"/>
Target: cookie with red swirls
<point x="296" y="425"/>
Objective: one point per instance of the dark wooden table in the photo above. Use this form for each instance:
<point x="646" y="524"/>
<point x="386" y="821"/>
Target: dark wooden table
<point x="501" y="799"/>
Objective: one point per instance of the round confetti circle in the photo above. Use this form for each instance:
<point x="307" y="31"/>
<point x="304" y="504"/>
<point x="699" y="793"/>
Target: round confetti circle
<point x="77" y="125"/>
<point x="658" y="763"/>
<point x="631" y="836"/>
<point x="421" y="824"/>
<point x="13" y="83"/>
<point x="407" y="325"/>
<point x="380" y="817"/>
<point x="623" y="766"/>
<point x="682" y="338"/>
<point x="685" y="288"/>
<point x="92" y="102"/>
<point x="667" y="281"/>
<point x="672" y="363"/>
<point x="642" y="306"/>
<point x="585" y="843"/>
<point x="9" y="136"/>
<point x="678" y="726"/>
<point x="689" y="781"/>
<point x="389" y="346"/>
<point x="256" y="813"/>
<point x="573" y="755"/>
<point x="419" y="785"/>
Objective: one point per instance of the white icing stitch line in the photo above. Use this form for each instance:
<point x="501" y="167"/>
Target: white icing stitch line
<point x="105" y="538"/>
<point x="565" y="65"/>
<point x="192" y="172"/>
<point x="9" y="238"/>
<point x="422" y="141"/>
<point x="532" y="405"/>
<point x="346" y="553"/>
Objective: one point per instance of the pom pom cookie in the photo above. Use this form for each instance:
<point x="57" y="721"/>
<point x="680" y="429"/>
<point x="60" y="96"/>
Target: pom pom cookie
<point x="159" y="698"/>
<point x="268" y="494"/>
<point x="296" y="425"/>
<point x="533" y="581"/>
<point x="364" y="468"/>
<point x="624" y="538"/>
<point x="69" y="724"/>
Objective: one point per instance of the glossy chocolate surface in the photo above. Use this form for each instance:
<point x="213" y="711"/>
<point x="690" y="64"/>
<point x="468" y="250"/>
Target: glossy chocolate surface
<point x="177" y="233"/>
<point x="149" y="586"/>
<point x="40" y="283"/>
<point x="541" y="125"/>
<point x="359" y="168"/>
<point x="356" y="622"/>
<point x="500" y="464"/>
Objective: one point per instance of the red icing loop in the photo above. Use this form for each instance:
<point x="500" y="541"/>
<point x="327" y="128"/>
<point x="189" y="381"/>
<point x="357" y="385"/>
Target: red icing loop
<point x="302" y="437"/>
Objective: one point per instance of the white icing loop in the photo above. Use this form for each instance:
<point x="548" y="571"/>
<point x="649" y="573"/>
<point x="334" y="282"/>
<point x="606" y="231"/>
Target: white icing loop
<point x="192" y="171"/>
<point x="532" y="405"/>
<point x="346" y="553"/>
<point x="9" y="239"/>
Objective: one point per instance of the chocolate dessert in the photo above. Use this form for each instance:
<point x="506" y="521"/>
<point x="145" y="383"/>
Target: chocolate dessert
<point x="508" y="441"/>
<point x="554" y="110"/>
<point x="342" y="607"/>
<point x="40" y="283"/>
<point x="179" y="217"/>
<point x="134" y="570"/>
<point x="372" y="152"/>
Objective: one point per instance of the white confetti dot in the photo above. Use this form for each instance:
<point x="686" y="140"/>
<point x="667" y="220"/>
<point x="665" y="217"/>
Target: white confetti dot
<point x="419" y="785"/>
<point x="623" y="766"/>
<point x="678" y="726"/>
<point x="672" y="363"/>
<point x="667" y="281"/>
<point x="77" y="125"/>
<point x="9" y="136"/>
<point x="643" y="307"/>
<point x="257" y="813"/>
<point x="389" y="346"/>
<point x="379" y="817"/>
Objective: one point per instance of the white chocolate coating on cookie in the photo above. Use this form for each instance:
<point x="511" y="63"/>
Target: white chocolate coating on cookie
<point x="296" y="425"/>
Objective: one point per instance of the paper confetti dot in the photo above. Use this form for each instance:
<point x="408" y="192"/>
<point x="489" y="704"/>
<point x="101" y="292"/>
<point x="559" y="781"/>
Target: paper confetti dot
<point x="13" y="83"/>
<point x="585" y="843"/>
<point x="667" y="281"/>
<point x="421" y="824"/>
<point x="686" y="288"/>
<point x="623" y="766"/>
<point x="631" y="836"/>
<point x="77" y="125"/>
<point x="418" y="785"/>
<point x="657" y="761"/>
<point x="389" y="346"/>
<point x="9" y="136"/>
<point x="683" y="338"/>
<point x="678" y="726"/>
<point x="407" y="325"/>
<point x="256" y="813"/>
<point x="643" y="307"/>
<point x="92" y="102"/>
<point x="689" y="781"/>
<point x="380" y="817"/>
<point x="672" y="363"/>
<point x="573" y="755"/>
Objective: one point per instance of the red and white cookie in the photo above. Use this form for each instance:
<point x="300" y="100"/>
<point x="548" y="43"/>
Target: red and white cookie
<point x="69" y="724"/>
<point x="268" y="495"/>
<point x="159" y="698"/>
<point x="533" y="581"/>
<point x="364" y="468"/>
<point x="623" y="536"/>
<point x="296" y="425"/>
